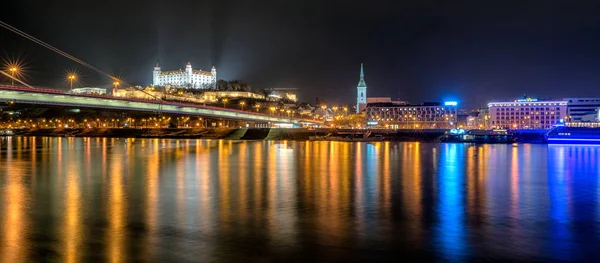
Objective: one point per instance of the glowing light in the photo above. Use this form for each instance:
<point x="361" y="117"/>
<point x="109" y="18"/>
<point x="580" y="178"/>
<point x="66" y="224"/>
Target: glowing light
<point x="450" y="103"/>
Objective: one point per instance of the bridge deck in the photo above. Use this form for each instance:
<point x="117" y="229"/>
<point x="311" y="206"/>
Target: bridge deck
<point x="24" y="95"/>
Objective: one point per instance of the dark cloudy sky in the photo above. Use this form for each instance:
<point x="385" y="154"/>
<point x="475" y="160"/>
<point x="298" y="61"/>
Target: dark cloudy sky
<point x="471" y="51"/>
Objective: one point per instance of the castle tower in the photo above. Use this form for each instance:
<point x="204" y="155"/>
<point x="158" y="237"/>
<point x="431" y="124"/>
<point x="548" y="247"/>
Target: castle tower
<point x="213" y="71"/>
<point x="188" y="74"/>
<point x="361" y="98"/>
<point x="155" y="75"/>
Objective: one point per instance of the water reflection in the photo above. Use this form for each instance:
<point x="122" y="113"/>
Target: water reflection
<point x="98" y="199"/>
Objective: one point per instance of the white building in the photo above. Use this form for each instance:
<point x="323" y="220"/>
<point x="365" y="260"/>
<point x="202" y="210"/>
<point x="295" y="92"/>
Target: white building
<point x="88" y="91"/>
<point x="196" y="79"/>
<point x="527" y="113"/>
<point x="582" y="109"/>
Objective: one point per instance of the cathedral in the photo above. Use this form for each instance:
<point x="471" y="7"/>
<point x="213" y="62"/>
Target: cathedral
<point x="361" y="94"/>
<point x="196" y="79"/>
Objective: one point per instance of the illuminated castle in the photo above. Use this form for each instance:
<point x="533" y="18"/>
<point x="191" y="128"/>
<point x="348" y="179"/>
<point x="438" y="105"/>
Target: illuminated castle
<point x="196" y="79"/>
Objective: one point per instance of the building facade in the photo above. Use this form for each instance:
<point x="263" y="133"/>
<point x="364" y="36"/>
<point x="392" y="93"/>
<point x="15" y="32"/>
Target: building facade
<point x="385" y="99"/>
<point x="527" y="113"/>
<point x="431" y="115"/>
<point x="582" y="109"/>
<point x="361" y="94"/>
<point x="88" y="91"/>
<point x="195" y="79"/>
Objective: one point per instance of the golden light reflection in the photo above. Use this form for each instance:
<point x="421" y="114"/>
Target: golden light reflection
<point x="384" y="188"/>
<point x="243" y="180"/>
<point x="181" y="150"/>
<point x="203" y="163"/>
<point x="72" y="221"/>
<point x="411" y="188"/>
<point x="282" y="193"/>
<point x="471" y="177"/>
<point x="117" y="212"/>
<point x="258" y="168"/>
<point x="15" y="227"/>
<point x="224" y="150"/>
<point x="152" y="193"/>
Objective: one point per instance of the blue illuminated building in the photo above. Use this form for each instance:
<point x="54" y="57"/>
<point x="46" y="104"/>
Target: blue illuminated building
<point x="429" y="115"/>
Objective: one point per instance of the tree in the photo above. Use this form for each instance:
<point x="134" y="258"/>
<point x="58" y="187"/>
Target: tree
<point x="222" y="85"/>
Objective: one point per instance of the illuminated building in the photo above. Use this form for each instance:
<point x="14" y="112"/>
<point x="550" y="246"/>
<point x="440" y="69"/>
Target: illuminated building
<point x="283" y="93"/>
<point x="216" y="95"/>
<point x="361" y="94"/>
<point x="196" y="79"/>
<point x="582" y="109"/>
<point x="89" y="91"/>
<point x="429" y="115"/>
<point x="527" y="113"/>
<point x="385" y="99"/>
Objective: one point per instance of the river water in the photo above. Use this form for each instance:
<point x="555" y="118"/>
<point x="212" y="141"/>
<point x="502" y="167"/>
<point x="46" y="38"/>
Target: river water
<point x="155" y="200"/>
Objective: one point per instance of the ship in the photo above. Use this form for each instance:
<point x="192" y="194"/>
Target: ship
<point x="479" y="136"/>
<point x="574" y="133"/>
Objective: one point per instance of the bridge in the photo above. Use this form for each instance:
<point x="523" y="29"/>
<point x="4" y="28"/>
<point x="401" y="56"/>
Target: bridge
<point x="50" y="97"/>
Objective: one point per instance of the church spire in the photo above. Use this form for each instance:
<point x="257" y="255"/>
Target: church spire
<point x="362" y="83"/>
<point x="362" y="72"/>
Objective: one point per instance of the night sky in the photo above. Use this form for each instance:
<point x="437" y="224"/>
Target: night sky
<point x="470" y="51"/>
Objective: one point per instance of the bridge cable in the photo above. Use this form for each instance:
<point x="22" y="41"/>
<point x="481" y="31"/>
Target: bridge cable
<point x="60" y="52"/>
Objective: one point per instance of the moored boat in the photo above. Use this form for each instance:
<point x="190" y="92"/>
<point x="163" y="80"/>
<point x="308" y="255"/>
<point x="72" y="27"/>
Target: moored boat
<point x="479" y="136"/>
<point x="574" y="133"/>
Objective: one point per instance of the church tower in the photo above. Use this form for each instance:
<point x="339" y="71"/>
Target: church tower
<point x="213" y="72"/>
<point x="188" y="74"/>
<point x="361" y="98"/>
<point x="156" y="75"/>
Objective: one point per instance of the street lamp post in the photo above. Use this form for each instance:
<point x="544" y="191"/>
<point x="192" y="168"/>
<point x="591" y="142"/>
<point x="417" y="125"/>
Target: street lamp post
<point x="242" y="103"/>
<point x="116" y="84"/>
<point x="224" y="102"/>
<point x="12" y="70"/>
<point x="71" y="79"/>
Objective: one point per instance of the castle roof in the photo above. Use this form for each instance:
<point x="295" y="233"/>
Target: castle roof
<point x="179" y="72"/>
<point x="200" y="72"/>
<point x="172" y="72"/>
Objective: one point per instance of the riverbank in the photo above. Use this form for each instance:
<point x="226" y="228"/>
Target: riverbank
<point x="247" y="133"/>
<point x="176" y="133"/>
<point x="218" y="133"/>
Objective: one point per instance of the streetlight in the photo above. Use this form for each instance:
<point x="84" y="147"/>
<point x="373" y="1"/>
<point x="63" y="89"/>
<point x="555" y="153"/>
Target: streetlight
<point x="272" y="110"/>
<point x="224" y="102"/>
<point x="257" y="106"/>
<point x="71" y="78"/>
<point x="116" y="84"/>
<point x="242" y="103"/>
<point x="12" y="70"/>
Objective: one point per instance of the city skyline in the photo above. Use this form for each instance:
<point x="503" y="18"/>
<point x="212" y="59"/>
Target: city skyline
<point x="437" y="52"/>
